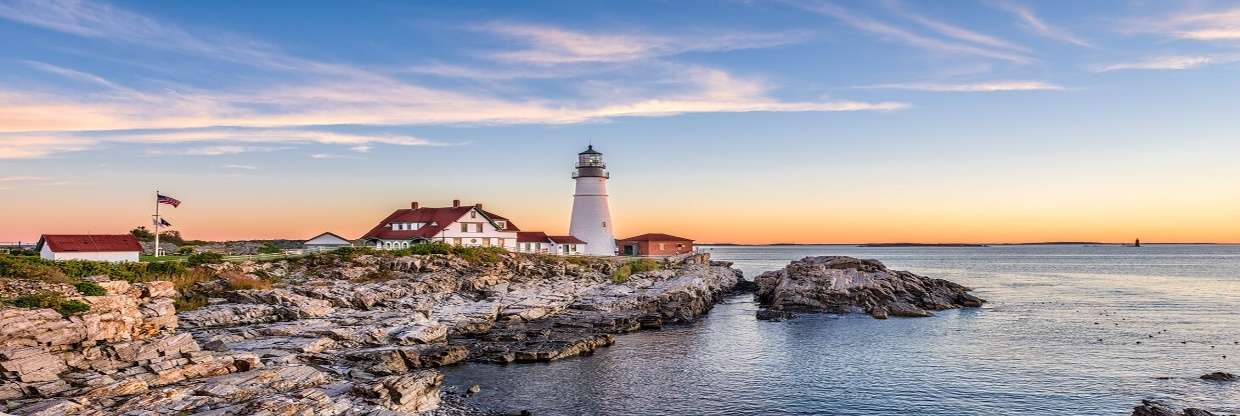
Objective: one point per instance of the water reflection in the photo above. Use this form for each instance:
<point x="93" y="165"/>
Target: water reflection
<point x="1059" y="337"/>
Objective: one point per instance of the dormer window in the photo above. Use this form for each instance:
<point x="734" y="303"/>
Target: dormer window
<point x="501" y="225"/>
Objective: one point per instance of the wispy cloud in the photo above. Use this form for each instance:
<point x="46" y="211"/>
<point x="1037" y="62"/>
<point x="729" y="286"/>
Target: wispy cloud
<point x="331" y="156"/>
<point x="1038" y="26"/>
<point x="1214" y="25"/>
<point x="219" y="150"/>
<point x="240" y="167"/>
<point x="951" y="30"/>
<point x="38" y="146"/>
<point x="1178" y="62"/>
<point x="549" y="45"/>
<point x="893" y="33"/>
<point x="990" y="86"/>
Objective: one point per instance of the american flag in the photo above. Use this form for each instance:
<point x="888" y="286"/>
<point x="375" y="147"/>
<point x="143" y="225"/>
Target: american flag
<point x="164" y="199"/>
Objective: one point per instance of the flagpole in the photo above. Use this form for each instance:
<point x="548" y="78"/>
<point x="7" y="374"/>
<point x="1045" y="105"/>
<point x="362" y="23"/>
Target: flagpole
<point x="157" y="224"/>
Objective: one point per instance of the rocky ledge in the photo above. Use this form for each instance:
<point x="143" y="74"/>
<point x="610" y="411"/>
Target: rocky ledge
<point x="836" y="284"/>
<point x="1152" y="408"/>
<point x="333" y="334"/>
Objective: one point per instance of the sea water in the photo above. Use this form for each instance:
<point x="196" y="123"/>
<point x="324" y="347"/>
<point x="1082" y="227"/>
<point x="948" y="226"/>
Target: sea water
<point x="1067" y="330"/>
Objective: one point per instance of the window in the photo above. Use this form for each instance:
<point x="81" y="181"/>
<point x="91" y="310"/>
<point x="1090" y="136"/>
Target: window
<point x="464" y="227"/>
<point x="604" y="224"/>
<point x="478" y="227"/>
<point x="660" y="246"/>
<point x="473" y="214"/>
<point x="572" y="247"/>
<point x="501" y="225"/>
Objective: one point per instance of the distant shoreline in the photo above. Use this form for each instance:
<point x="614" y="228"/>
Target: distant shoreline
<point x="883" y="245"/>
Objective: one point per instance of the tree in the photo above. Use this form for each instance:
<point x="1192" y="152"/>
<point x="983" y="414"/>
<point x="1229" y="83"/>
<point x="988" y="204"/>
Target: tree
<point x="143" y="234"/>
<point x="269" y="248"/>
<point x="173" y="237"/>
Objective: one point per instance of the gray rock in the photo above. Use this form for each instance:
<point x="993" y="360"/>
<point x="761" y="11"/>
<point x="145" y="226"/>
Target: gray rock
<point x="849" y="285"/>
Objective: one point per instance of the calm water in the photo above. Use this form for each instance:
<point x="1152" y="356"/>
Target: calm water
<point x="1059" y="337"/>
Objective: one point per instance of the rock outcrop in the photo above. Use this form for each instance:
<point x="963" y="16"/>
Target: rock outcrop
<point x="336" y="335"/>
<point x="849" y="285"/>
<point x="1151" y="408"/>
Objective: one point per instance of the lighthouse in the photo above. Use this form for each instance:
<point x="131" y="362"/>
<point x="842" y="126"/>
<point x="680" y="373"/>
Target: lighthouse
<point x="591" y="217"/>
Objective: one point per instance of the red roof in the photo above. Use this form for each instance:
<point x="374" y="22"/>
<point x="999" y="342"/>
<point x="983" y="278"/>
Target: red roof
<point x="64" y="243"/>
<point x="566" y="239"/>
<point x="434" y="220"/>
<point x="532" y="237"/>
<point x="655" y="237"/>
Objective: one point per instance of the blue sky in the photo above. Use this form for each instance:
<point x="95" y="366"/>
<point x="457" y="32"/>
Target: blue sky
<point x="914" y="120"/>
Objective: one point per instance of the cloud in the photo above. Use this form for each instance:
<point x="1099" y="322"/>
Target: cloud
<point x="1216" y="25"/>
<point x="331" y="156"/>
<point x="548" y="45"/>
<point x="953" y="31"/>
<point x="241" y="167"/>
<point x="38" y="146"/>
<point x="896" y="34"/>
<point x="991" y="86"/>
<point x="1038" y="26"/>
<point x="219" y="150"/>
<point x="295" y="106"/>
<point x="1166" y="63"/>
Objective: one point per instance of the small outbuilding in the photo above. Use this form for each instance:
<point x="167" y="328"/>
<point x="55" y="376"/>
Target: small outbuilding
<point x="326" y="242"/>
<point x="654" y="244"/>
<point x="97" y="247"/>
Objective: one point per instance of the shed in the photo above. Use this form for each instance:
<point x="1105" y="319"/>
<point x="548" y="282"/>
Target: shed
<point x="326" y="242"/>
<point x="97" y="247"/>
<point x="654" y="244"/>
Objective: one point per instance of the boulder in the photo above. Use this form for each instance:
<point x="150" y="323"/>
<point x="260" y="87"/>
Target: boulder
<point x="1219" y="376"/>
<point x="849" y="285"/>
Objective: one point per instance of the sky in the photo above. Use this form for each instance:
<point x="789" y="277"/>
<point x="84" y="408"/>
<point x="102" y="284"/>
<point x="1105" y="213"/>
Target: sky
<point x="722" y="121"/>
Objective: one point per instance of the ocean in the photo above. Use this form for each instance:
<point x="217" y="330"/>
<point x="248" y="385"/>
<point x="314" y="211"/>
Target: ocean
<point x="1067" y="330"/>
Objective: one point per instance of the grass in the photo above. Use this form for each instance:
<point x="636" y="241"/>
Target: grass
<point x="49" y="299"/>
<point x="147" y="258"/>
<point x="243" y="282"/>
<point x="90" y="289"/>
<point x="622" y="273"/>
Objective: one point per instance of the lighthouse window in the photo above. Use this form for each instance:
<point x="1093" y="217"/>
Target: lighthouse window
<point x="604" y="224"/>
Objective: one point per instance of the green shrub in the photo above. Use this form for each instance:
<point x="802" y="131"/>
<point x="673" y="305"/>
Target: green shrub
<point x="52" y="300"/>
<point x="621" y="274"/>
<point x="429" y="247"/>
<point x="185" y="251"/>
<point x="90" y="289"/>
<point x="31" y="268"/>
<point x="268" y="248"/>
<point x="166" y="268"/>
<point x="644" y="265"/>
<point x="72" y="307"/>
<point x="479" y="255"/>
<point x="206" y="257"/>
<point x="350" y="253"/>
<point x="40" y="299"/>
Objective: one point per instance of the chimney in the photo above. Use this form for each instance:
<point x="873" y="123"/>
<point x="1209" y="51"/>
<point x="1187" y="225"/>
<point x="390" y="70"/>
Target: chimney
<point x="456" y="203"/>
<point x="479" y="206"/>
<point x="413" y="205"/>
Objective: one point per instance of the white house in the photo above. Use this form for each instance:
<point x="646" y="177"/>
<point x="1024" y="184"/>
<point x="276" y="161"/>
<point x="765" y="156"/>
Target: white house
<point x="325" y="242"/>
<point x="113" y="248"/>
<point x="540" y="242"/>
<point x="458" y="225"/>
<point x="463" y="226"/>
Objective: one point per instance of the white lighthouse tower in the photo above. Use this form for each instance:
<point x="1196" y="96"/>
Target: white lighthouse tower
<point x="591" y="217"/>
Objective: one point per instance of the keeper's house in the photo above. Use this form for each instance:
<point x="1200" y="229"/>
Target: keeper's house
<point x="462" y="225"/>
<point x="654" y="244"/>
<point x="98" y="247"/>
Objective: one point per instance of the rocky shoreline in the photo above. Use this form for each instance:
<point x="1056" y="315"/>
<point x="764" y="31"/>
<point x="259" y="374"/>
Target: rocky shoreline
<point x="337" y="334"/>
